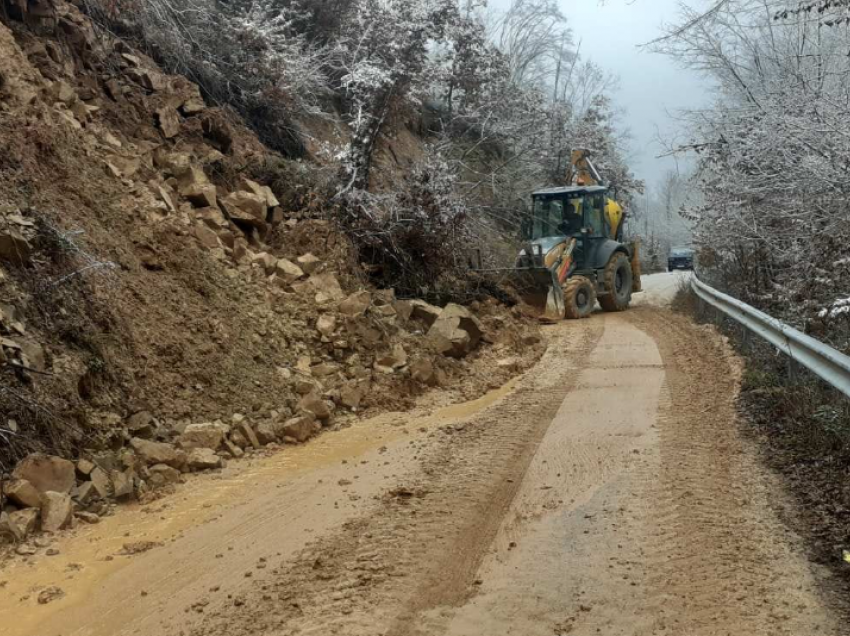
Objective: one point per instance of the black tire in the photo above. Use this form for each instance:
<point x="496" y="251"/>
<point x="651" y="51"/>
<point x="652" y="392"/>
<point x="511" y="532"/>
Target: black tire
<point x="579" y="298"/>
<point x="618" y="284"/>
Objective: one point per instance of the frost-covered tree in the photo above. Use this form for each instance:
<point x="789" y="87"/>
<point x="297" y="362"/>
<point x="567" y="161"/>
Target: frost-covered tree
<point x="773" y="154"/>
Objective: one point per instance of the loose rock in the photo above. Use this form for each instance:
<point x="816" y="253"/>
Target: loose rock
<point x="23" y="493"/>
<point x="356" y="304"/>
<point x="300" y="428"/>
<point x="162" y="475"/>
<point x="203" y="435"/>
<point x="56" y="511"/>
<point x="47" y="473"/>
<point x="309" y="263"/>
<point x="203" y="459"/>
<point x="156" y="452"/>
<point x="26" y="520"/>
<point x="315" y="405"/>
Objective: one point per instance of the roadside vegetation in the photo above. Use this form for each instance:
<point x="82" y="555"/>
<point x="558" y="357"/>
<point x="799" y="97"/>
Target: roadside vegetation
<point x="771" y="226"/>
<point x="496" y="100"/>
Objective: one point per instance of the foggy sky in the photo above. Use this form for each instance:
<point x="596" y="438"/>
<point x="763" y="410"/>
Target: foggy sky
<point x="652" y="87"/>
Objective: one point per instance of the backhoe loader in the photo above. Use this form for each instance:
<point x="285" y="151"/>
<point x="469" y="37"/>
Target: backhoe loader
<point x="573" y="252"/>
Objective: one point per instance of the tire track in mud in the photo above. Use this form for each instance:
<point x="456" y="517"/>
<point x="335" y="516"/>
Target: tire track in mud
<point x="424" y="543"/>
<point x="718" y="560"/>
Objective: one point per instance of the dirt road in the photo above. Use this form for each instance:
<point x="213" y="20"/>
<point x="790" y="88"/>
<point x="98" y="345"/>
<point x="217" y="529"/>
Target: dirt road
<point x="608" y="491"/>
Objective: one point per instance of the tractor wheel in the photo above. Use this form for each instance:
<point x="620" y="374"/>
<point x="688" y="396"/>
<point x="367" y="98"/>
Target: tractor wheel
<point x="618" y="284"/>
<point x="579" y="298"/>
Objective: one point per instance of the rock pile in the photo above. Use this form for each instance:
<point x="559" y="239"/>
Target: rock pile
<point x="220" y="305"/>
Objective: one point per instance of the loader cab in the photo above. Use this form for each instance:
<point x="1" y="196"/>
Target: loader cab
<point x="558" y="214"/>
<point x="567" y="212"/>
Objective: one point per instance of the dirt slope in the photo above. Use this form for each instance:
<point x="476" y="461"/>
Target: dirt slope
<point x="146" y="265"/>
<point x="608" y="491"/>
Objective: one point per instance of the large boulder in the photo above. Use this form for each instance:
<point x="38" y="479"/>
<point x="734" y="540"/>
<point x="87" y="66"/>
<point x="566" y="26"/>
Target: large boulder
<point x="315" y="406"/>
<point x="157" y="453"/>
<point x="246" y="208"/>
<point x="23" y="493"/>
<point x="56" y="511"/>
<point x="161" y="475"/>
<point x="261" y="191"/>
<point x="266" y="433"/>
<point x="300" y="428"/>
<point x="46" y="473"/>
<point x="456" y="332"/>
<point x="352" y="393"/>
<point x="101" y="483"/>
<point x="203" y="459"/>
<point x="204" y="435"/>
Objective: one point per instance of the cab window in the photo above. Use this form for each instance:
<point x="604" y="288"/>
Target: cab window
<point x="595" y="214"/>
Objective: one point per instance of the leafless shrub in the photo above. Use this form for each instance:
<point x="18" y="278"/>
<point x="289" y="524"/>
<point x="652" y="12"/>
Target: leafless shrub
<point x="412" y="238"/>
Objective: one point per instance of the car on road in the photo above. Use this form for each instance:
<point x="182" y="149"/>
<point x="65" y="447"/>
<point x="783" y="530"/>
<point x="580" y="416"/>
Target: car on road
<point x="680" y="258"/>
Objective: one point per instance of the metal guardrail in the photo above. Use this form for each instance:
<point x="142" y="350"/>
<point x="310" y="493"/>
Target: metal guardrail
<point x="830" y="365"/>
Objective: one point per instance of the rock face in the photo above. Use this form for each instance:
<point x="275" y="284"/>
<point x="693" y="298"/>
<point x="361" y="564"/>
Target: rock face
<point x="23" y="493"/>
<point x="204" y="435"/>
<point x="46" y="473"/>
<point x="456" y="332"/>
<point x="156" y="453"/>
<point x="56" y="511"/>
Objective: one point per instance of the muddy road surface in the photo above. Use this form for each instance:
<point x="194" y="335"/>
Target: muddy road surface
<point x="607" y="491"/>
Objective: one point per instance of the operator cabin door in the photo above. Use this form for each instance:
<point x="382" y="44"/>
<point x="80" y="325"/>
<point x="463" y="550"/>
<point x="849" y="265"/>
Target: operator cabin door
<point x="595" y="228"/>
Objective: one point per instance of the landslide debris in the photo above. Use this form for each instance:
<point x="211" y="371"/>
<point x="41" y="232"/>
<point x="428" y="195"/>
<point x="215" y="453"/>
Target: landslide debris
<point x="161" y="312"/>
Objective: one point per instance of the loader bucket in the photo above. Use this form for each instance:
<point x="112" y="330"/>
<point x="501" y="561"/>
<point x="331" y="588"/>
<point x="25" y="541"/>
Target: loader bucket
<point x="539" y="288"/>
